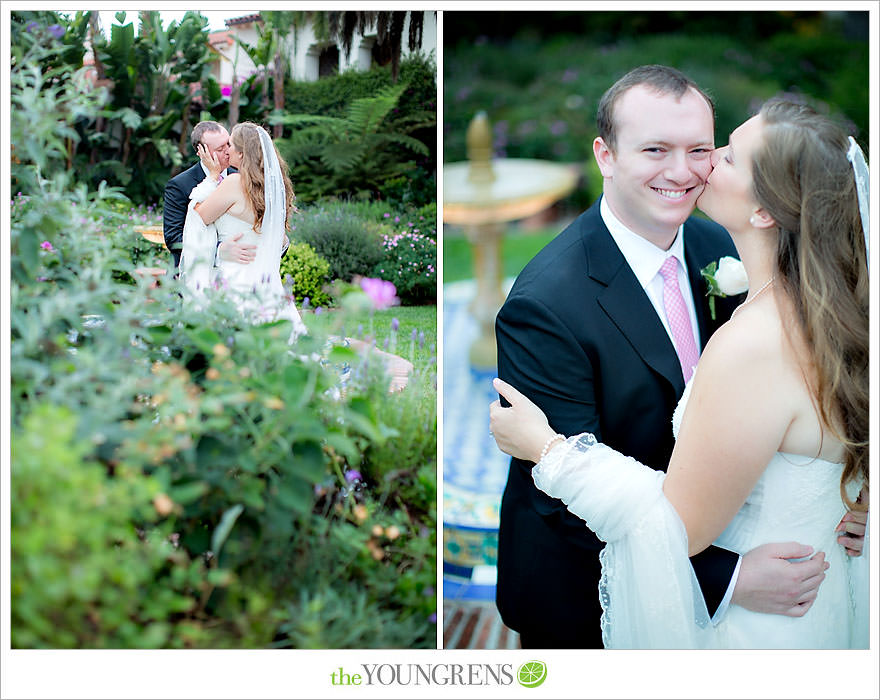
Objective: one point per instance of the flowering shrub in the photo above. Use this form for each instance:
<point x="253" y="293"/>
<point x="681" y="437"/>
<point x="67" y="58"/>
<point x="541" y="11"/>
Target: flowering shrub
<point x="342" y="238"/>
<point x="410" y="262"/>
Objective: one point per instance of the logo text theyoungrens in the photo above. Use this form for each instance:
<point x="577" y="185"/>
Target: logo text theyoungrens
<point x="426" y="674"/>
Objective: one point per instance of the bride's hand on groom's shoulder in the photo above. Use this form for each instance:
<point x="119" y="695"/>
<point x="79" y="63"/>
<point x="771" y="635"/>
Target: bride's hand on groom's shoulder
<point x="520" y="430"/>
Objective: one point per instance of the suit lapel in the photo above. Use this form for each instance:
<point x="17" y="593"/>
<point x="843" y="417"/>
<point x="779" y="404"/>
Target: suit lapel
<point x="627" y="305"/>
<point x="696" y="260"/>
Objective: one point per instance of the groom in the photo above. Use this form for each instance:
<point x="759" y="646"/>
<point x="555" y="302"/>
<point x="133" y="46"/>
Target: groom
<point x="216" y="139"/>
<point x="584" y="334"/>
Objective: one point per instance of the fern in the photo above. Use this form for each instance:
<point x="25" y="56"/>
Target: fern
<point x="356" y="152"/>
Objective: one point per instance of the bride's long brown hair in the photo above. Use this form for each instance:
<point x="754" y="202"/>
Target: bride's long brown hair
<point x="802" y="177"/>
<point x="246" y="138"/>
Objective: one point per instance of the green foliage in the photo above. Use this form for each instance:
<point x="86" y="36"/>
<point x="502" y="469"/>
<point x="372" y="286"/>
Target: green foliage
<point x="80" y="563"/>
<point x="155" y="85"/>
<point x="355" y="154"/>
<point x="410" y="262"/>
<point x="412" y="414"/>
<point x="344" y="240"/>
<point x="310" y="274"/>
<point x="541" y="100"/>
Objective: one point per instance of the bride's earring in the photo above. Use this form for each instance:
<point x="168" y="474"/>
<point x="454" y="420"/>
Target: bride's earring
<point x="752" y="220"/>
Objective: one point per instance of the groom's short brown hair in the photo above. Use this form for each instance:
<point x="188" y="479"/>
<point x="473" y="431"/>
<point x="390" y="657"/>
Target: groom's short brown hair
<point x="661" y="79"/>
<point x="199" y="131"/>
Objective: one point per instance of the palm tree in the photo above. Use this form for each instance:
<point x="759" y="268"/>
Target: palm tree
<point x="343" y="25"/>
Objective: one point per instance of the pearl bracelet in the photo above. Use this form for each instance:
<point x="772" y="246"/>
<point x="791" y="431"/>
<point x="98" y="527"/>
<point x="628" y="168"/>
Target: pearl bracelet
<point x="549" y="442"/>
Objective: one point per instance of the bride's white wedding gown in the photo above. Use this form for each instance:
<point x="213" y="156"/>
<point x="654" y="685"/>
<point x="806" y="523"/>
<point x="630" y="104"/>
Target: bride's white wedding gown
<point x="648" y="590"/>
<point x="255" y="287"/>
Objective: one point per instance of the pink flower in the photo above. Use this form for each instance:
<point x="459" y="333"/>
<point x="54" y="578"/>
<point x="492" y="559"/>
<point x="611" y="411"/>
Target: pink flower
<point x="383" y="294"/>
<point x="226" y="90"/>
<point x="45" y="245"/>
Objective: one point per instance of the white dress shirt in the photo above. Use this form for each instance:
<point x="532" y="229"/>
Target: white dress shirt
<point x="645" y="259"/>
<point x="208" y="172"/>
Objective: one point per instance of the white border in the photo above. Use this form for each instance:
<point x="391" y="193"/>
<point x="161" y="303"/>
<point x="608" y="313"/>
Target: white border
<point x="288" y="674"/>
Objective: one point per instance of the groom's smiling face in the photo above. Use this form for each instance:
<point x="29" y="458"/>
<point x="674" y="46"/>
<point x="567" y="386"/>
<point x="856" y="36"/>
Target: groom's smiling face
<point x="218" y="143"/>
<point x="660" y="161"/>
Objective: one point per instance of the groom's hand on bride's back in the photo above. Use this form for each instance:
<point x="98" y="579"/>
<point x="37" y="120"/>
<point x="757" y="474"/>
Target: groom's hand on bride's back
<point x="233" y="251"/>
<point x="780" y="579"/>
<point x="853" y="526"/>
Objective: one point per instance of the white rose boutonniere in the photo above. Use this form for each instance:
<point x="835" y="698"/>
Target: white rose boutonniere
<point x="724" y="278"/>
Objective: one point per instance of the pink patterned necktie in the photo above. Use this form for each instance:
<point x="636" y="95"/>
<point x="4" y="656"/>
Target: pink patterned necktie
<point x="678" y="318"/>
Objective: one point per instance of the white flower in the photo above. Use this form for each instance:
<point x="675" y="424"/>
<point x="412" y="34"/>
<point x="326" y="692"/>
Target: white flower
<point x="731" y="276"/>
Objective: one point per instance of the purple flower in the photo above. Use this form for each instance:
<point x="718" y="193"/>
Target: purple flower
<point x="305" y="302"/>
<point x="31" y="26"/>
<point x="569" y="75"/>
<point x="395" y="324"/>
<point x="45" y="245"/>
<point x="386" y="216"/>
<point x="226" y="90"/>
<point x="432" y="618"/>
<point x="56" y="30"/>
<point x="352" y="475"/>
<point x="383" y="294"/>
<point x="558" y="127"/>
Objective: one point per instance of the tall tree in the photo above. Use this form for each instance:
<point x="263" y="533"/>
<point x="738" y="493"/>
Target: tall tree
<point x="343" y="25"/>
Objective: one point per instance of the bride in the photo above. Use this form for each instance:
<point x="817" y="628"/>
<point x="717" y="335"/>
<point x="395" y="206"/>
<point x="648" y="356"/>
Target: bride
<point x="253" y="203"/>
<point x="772" y="431"/>
<point x="252" y="206"/>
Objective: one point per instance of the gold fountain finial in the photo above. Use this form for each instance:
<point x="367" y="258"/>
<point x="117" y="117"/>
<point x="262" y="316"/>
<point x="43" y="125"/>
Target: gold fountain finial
<point x="479" y="149"/>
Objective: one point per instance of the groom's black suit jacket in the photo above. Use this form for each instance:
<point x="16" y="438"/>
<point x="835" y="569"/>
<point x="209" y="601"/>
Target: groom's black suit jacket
<point x="579" y="337"/>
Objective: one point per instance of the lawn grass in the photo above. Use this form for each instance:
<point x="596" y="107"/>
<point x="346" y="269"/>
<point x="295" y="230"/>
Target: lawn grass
<point x="517" y="249"/>
<point x="421" y="350"/>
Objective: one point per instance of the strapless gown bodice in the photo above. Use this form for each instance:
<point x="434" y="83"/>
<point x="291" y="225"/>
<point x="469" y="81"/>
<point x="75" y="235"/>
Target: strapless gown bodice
<point x="236" y="275"/>
<point x="796" y="499"/>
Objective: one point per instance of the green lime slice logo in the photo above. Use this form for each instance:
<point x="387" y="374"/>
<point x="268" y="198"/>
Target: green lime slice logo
<point x="531" y="674"/>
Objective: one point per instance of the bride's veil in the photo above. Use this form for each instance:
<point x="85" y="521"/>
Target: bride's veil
<point x="274" y="218"/>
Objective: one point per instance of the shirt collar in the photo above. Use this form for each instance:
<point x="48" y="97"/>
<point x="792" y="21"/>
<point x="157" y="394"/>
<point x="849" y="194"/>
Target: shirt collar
<point x="205" y="170"/>
<point x="643" y="257"/>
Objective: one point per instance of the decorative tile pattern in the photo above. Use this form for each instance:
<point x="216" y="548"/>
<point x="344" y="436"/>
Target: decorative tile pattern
<point x="474" y="469"/>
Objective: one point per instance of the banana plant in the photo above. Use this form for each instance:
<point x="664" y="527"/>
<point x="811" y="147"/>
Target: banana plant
<point x="154" y="80"/>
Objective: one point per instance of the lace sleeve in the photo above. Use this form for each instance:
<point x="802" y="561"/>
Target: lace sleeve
<point x="648" y="590"/>
<point x="598" y="484"/>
